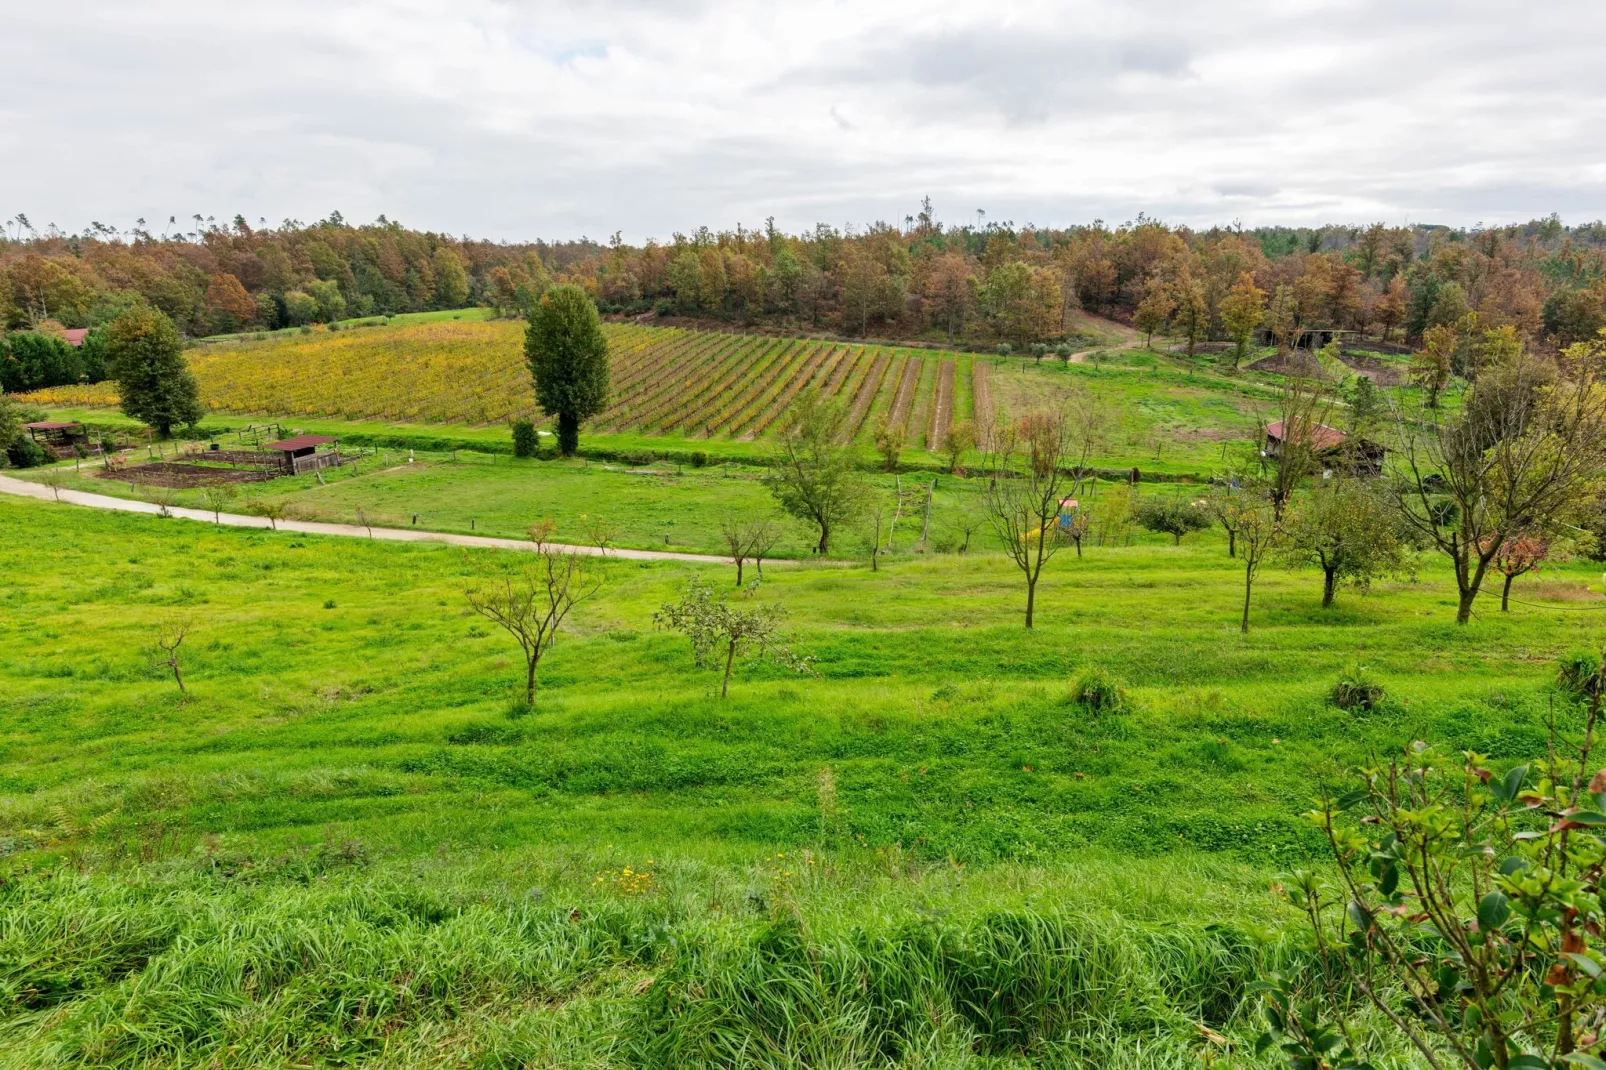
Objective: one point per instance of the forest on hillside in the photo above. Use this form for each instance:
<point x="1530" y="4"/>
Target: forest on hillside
<point x="977" y="285"/>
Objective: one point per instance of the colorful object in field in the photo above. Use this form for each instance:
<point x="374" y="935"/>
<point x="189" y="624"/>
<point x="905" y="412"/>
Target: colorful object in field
<point x="1069" y="507"/>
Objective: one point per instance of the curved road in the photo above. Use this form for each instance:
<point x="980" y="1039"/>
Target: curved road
<point x="25" y="489"/>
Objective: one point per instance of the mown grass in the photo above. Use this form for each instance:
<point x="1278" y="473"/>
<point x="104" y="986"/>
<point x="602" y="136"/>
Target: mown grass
<point x="345" y="847"/>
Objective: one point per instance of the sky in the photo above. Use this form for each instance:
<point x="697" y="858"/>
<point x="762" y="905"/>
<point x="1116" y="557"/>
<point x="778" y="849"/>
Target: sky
<point x="515" y="120"/>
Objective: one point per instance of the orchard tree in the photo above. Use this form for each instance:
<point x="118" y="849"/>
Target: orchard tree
<point x="816" y="477"/>
<point x="1302" y="410"/>
<point x="568" y="358"/>
<point x="1348" y="532"/>
<point x="1037" y="462"/>
<point x="720" y="632"/>
<point x="531" y="603"/>
<point x="749" y="538"/>
<point x="1241" y="312"/>
<point x="1259" y="532"/>
<point x="155" y="385"/>
<point x="1523" y="454"/>
<point x="1173" y="516"/>
<point x="1518" y="556"/>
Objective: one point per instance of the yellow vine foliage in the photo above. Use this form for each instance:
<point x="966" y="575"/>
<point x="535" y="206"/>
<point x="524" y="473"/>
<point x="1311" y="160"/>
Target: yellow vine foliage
<point x="664" y="378"/>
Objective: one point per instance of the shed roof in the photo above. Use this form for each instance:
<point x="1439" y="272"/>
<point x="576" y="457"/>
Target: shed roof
<point x="1322" y="436"/>
<point x="75" y="335"/>
<point x="50" y="425"/>
<point x="300" y="442"/>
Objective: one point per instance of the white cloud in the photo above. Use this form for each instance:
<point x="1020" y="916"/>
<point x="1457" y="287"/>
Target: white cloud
<point x="515" y="120"/>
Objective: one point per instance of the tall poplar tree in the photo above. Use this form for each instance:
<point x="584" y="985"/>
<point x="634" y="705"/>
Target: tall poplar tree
<point x="568" y="358"/>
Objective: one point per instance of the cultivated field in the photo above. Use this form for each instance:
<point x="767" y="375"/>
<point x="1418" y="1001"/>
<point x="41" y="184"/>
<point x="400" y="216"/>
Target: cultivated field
<point x="700" y="384"/>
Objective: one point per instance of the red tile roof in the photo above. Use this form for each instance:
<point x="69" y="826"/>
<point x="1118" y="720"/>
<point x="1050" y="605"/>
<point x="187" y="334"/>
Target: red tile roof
<point x="1322" y="436"/>
<point x="75" y="335"/>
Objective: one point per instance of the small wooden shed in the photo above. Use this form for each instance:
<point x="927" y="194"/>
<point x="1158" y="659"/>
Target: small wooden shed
<point x="1332" y="449"/>
<point x="301" y="454"/>
<point x="61" y="440"/>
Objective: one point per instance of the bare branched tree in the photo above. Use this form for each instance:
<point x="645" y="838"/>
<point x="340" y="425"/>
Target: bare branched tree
<point x="749" y="538"/>
<point x="55" y="479"/>
<point x="1036" y="463"/>
<point x="1522" y="453"/>
<point x="1303" y="409"/>
<point x="541" y="532"/>
<point x="1259" y="532"/>
<point x="601" y="532"/>
<point x="168" y="641"/>
<point x="531" y="604"/>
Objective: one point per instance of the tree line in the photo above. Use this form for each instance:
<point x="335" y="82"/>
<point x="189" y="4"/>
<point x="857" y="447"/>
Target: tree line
<point x="990" y="284"/>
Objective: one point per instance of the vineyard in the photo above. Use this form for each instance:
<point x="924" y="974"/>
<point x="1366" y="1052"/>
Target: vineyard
<point x="666" y="380"/>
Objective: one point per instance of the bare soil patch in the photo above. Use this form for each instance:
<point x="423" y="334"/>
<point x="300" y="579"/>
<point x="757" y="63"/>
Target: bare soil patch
<point x="184" y="476"/>
<point x="1300" y="362"/>
<point x="1380" y="372"/>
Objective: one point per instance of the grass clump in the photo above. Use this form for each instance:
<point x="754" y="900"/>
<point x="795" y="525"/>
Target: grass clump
<point x="1578" y="674"/>
<point x="1358" y="689"/>
<point x="1099" y="691"/>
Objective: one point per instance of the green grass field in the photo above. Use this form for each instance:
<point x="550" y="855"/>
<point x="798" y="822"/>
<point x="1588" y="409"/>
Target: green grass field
<point x="348" y="846"/>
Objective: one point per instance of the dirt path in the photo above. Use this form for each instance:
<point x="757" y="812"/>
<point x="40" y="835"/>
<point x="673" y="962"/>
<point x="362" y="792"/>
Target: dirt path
<point x="25" y="489"/>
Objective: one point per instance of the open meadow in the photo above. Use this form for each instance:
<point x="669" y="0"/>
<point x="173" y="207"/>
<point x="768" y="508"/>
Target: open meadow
<point x="347" y="843"/>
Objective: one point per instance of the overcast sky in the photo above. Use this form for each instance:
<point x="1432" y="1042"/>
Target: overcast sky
<point x="530" y="119"/>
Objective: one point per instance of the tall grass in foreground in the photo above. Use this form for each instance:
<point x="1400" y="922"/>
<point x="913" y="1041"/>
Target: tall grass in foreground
<point x="322" y="962"/>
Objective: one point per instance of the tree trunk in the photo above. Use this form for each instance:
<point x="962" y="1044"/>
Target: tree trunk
<point x="1505" y="596"/>
<point x="1463" y="612"/>
<point x="568" y="434"/>
<point x="1329" y="581"/>
<point x="1232" y="544"/>
<point x="730" y="659"/>
<point x="529" y="683"/>
<point x="1249" y="586"/>
<point x="1031" y="599"/>
<point x="824" y="545"/>
<point x="738" y="572"/>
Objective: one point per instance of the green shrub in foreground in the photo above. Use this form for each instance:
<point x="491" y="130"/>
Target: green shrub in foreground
<point x="1098" y="691"/>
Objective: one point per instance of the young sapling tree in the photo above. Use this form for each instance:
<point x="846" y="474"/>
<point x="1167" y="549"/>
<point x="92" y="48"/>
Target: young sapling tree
<point x="531" y="603"/>
<point x="721" y="632"/>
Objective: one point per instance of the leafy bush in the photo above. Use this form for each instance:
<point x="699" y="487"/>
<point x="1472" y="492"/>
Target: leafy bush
<point x="1358" y="690"/>
<point x="699" y="458"/>
<point x="526" y="443"/>
<point x="1097" y="691"/>
<point x="26" y="453"/>
<point x="1578" y="674"/>
<point x="1175" y="517"/>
